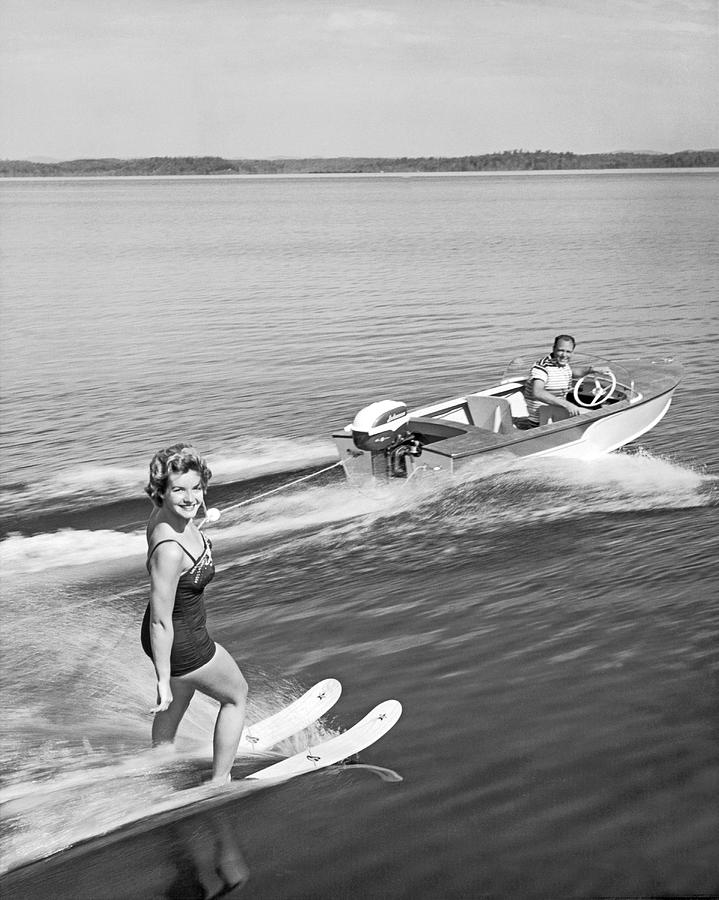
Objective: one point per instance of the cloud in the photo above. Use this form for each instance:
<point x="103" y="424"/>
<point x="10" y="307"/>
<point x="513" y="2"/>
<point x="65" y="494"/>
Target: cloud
<point x="374" y="27"/>
<point x="360" y="20"/>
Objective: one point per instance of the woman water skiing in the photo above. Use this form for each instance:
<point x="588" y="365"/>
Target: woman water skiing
<point x="174" y="634"/>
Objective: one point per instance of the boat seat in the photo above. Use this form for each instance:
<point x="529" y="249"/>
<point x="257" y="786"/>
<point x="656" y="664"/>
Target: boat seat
<point x="518" y="404"/>
<point x="491" y="413"/>
<point x="549" y="413"/>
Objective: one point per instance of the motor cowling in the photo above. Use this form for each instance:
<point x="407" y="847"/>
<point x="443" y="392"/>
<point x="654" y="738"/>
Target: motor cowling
<point x="380" y="426"/>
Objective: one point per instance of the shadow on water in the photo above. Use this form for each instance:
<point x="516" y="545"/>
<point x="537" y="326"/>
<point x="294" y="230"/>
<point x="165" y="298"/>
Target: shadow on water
<point x="198" y="855"/>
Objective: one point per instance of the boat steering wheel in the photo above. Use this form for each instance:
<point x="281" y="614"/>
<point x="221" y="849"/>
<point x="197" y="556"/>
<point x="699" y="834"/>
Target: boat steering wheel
<point x="605" y="384"/>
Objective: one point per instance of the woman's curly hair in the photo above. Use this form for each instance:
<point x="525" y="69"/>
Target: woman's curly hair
<point x="174" y="460"/>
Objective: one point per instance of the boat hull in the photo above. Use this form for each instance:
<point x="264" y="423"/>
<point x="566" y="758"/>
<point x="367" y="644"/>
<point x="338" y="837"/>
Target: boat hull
<point x="581" y="437"/>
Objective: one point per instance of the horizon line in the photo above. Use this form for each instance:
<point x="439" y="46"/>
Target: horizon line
<point x="47" y="160"/>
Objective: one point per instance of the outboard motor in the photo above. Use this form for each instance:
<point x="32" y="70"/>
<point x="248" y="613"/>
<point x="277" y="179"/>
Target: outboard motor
<point x="380" y="425"/>
<point x="381" y="429"/>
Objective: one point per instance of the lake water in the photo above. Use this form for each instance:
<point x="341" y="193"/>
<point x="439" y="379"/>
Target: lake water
<point x="550" y="629"/>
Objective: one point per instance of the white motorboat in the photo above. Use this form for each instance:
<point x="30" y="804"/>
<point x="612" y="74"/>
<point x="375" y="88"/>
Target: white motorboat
<point x="619" y="404"/>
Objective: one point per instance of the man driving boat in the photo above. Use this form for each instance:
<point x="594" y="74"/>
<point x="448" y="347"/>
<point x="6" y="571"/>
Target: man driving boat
<point x="550" y="380"/>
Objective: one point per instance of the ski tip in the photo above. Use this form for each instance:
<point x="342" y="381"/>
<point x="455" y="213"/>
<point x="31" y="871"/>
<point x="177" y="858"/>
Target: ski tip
<point x="327" y="687"/>
<point x="341" y="747"/>
<point x="388" y="708"/>
<point x="385" y="715"/>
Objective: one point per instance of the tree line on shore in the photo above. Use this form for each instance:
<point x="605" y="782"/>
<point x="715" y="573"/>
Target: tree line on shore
<point x="505" y="161"/>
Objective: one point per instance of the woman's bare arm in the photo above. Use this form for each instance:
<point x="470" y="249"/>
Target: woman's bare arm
<point x="166" y="565"/>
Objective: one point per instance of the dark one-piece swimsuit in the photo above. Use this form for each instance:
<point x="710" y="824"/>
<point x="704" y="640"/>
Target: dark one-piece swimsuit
<point x="192" y="646"/>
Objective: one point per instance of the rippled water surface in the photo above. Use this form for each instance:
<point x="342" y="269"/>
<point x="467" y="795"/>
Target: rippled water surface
<point x="550" y="627"/>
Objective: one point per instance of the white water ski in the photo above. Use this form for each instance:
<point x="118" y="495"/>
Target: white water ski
<point x="210" y="796"/>
<point x="256" y="738"/>
<point x="368" y="730"/>
<point x="292" y="719"/>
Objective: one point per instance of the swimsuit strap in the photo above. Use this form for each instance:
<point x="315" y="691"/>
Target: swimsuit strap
<point x="173" y="541"/>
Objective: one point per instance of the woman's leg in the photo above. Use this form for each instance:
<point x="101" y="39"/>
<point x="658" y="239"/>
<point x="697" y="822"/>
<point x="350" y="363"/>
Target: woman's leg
<point x="222" y="680"/>
<point x="166" y="723"/>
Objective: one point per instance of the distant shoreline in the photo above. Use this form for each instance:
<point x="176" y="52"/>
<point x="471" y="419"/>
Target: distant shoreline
<point x="686" y="170"/>
<point x="506" y="161"/>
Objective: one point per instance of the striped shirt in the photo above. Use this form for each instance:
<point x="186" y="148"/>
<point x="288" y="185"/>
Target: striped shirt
<point x="557" y="380"/>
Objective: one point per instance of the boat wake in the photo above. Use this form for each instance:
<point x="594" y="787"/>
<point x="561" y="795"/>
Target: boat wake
<point x="91" y="484"/>
<point x="69" y="547"/>
<point x="618" y="482"/>
<point x="495" y="494"/>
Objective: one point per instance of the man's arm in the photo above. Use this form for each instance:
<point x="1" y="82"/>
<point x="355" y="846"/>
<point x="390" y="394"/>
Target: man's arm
<point x="539" y="392"/>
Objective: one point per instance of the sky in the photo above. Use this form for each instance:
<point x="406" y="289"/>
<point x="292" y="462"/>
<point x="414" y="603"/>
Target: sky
<point x="293" y="78"/>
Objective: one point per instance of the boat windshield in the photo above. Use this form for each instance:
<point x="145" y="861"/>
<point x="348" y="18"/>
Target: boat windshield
<point x="519" y="368"/>
<point x="637" y="379"/>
